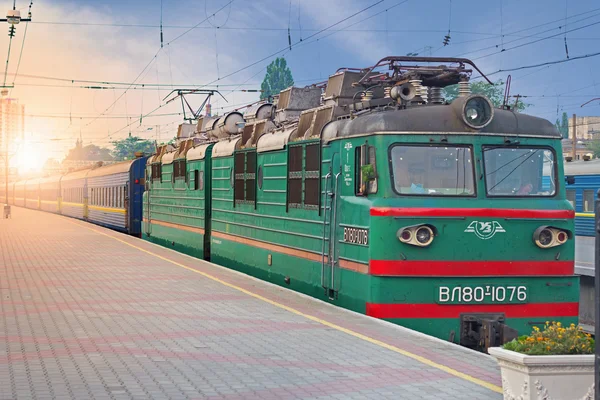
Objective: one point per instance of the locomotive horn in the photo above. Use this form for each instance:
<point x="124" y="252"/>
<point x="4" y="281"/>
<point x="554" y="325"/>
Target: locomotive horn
<point x="405" y="92"/>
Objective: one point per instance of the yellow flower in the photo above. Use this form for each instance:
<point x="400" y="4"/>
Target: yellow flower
<point x="560" y="336"/>
<point x="583" y="346"/>
<point x="558" y="324"/>
<point x="572" y="325"/>
<point x="547" y="322"/>
<point x="539" y="339"/>
<point x="535" y="328"/>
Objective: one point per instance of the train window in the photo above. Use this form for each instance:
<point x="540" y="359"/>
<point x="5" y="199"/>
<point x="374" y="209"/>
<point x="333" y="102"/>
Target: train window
<point x="432" y="170"/>
<point x="250" y="176"/>
<point x="588" y="201"/>
<point x="295" y="176"/>
<point x="157" y="172"/>
<point x="571" y="197"/>
<point x="179" y="169"/>
<point x="245" y="177"/>
<point x="198" y="180"/>
<point x="366" y="170"/>
<point x="312" y="175"/>
<point x="239" y="167"/>
<point x="519" y="171"/>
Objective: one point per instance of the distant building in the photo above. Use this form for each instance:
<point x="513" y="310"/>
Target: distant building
<point x="588" y="128"/>
<point x="12" y="127"/>
<point x="581" y="149"/>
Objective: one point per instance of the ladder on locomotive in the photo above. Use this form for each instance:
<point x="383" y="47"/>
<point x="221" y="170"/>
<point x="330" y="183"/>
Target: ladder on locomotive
<point x="329" y="260"/>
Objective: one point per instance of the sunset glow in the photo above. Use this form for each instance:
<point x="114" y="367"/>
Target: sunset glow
<point x="30" y="158"/>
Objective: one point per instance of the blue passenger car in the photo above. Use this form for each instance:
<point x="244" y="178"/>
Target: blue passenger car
<point x="581" y="193"/>
<point x="114" y="194"/>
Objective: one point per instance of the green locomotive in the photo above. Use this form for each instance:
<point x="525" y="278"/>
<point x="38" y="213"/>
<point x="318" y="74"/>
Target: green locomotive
<point x="375" y="194"/>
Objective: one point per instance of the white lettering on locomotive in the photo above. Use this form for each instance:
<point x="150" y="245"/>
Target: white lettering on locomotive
<point x="482" y="294"/>
<point x="356" y="236"/>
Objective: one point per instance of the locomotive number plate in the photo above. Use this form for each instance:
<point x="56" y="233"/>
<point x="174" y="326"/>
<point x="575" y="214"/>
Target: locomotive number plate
<point x="481" y="294"/>
<point x="356" y="235"/>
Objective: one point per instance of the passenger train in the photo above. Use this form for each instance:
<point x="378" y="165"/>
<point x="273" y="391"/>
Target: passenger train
<point x="374" y="193"/>
<point x="107" y="195"/>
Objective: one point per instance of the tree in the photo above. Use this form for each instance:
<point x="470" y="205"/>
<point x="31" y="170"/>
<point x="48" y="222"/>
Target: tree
<point x="277" y="78"/>
<point x="594" y="147"/>
<point x="91" y="152"/>
<point x="125" y="149"/>
<point x="563" y="126"/>
<point x="493" y="92"/>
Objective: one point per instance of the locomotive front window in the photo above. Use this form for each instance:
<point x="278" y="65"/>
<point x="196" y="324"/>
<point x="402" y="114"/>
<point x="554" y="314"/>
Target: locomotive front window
<point x="519" y="171"/>
<point x="432" y="170"/>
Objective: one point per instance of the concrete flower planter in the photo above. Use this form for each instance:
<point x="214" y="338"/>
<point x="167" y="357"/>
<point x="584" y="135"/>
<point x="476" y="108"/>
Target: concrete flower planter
<point x="569" y="377"/>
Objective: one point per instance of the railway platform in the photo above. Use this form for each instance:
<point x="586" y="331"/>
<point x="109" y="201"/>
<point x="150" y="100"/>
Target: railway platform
<point x="88" y="313"/>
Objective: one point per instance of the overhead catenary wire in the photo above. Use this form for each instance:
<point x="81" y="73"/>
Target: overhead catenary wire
<point x="273" y="54"/>
<point x="154" y="59"/>
<point x="587" y="16"/>
<point x="541" y="64"/>
<point x="538" y="40"/>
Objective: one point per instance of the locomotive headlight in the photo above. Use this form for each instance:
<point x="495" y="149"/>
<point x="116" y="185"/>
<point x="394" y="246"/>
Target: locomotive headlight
<point x="405" y="235"/>
<point x="418" y="235"/>
<point x="477" y="111"/>
<point x="547" y="236"/>
<point x="424" y="235"/>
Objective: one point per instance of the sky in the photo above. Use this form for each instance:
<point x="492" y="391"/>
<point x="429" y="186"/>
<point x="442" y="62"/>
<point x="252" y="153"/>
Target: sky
<point x="231" y="45"/>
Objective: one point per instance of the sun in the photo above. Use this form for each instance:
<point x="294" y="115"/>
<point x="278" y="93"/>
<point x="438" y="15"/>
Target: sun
<point x="29" y="159"/>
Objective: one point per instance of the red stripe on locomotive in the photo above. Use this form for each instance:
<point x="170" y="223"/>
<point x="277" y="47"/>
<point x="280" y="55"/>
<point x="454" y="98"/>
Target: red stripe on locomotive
<point x="471" y="212"/>
<point x="545" y="310"/>
<point x="470" y="268"/>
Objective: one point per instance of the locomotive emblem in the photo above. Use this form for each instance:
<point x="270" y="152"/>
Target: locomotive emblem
<point x="485" y="230"/>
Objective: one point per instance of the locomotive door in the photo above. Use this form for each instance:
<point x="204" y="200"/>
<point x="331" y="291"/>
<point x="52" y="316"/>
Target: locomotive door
<point x="146" y="214"/>
<point x="329" y="263"/>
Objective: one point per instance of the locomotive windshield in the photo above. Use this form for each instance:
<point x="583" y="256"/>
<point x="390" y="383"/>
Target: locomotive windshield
<point x="519" y="172"/>
<point x="433" y="170"/>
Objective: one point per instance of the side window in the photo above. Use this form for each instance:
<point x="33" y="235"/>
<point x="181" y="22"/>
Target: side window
<point x="238" y="170"/>
<point x="295" y="176"/>
<point x="312" y="175"/>
<point x="304" y="176"/>
<point x="197" y="180"/>
<point x="366" y="170"/>
<point x="571" y="197"/>
<point x="157" y="172"/>
<point x="245" y="177"/>
<point x="588" y="201"/>
<point x="250" y="176"/>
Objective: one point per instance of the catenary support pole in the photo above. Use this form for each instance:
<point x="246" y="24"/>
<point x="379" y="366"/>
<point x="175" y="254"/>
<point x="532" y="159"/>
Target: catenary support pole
<point x="574" y="137"/>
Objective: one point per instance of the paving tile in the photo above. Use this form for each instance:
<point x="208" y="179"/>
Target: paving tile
<point x="86" y="316"/>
